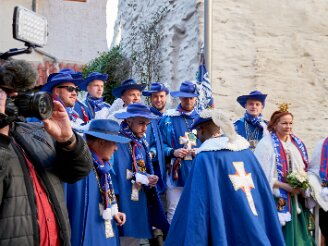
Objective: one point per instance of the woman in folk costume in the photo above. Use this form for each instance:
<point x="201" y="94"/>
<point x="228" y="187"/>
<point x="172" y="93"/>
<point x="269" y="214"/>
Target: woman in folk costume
<point x="318" y="178"/>
<point x="91" y="202"/>
<point x="279" y="154"/>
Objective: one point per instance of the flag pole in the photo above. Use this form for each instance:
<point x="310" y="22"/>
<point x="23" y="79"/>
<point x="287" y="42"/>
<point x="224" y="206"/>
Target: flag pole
<point x="208" y="35"/>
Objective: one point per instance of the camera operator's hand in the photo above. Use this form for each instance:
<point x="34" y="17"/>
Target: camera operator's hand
<point x="59" y="127"/>
<point x="3" y="99"/>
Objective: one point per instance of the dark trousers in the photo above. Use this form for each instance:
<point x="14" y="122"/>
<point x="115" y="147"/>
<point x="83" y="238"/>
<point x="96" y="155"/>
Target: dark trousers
<point x="323" y="222"/>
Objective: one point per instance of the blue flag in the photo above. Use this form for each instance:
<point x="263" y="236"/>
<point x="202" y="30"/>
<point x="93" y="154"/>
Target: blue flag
<point x="205" y="99"/>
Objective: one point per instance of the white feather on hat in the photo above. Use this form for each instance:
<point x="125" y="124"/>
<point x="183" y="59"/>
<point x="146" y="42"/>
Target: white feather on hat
<point x="221" y="121"/>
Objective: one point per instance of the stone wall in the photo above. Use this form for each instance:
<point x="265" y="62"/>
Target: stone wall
<point x="277" y="47"/>
<point x="179" y="30"/>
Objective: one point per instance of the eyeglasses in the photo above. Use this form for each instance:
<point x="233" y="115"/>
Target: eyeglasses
<point x="69" y="88"/>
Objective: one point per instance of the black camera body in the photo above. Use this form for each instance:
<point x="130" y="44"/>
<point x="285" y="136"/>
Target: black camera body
<point x="30" y="104"/>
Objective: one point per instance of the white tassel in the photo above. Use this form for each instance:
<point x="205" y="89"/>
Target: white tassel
<point x="297" y="207"/>
<point x="107" y="214"/>
<point x="284" y="218"/>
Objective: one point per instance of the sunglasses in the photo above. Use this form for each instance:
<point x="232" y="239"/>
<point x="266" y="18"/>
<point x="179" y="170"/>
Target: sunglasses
<point x="69" y="88"/>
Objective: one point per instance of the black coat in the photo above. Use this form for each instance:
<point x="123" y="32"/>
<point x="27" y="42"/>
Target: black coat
<point x="53" y="164"/>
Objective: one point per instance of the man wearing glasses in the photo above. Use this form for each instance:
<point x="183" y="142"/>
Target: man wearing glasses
<point x="64" y="88"/>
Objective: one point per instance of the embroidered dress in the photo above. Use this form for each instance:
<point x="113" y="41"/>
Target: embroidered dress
<point x="294" y="217"/>
<point x="83" y="200"/>
<point x="252" y="128"/>
<point x="217" y="207"/>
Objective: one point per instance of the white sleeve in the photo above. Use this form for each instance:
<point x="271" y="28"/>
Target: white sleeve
<point x="314" y="176"/>
<point x="114" y="209"/>
<point x="265" y="155"/>
<point x="314" y="165"/>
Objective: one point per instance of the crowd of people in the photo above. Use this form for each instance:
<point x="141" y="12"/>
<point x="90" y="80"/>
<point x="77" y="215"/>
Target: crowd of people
<point x="132" y="174"/>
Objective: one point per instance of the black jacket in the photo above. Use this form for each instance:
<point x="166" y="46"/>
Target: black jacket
<point x="53" y="164"/>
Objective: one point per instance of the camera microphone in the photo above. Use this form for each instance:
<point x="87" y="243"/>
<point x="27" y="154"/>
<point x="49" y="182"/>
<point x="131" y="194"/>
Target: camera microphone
<point x="19" y="76"/>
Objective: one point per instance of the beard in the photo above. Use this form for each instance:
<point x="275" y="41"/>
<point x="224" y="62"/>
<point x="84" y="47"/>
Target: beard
<point x="159" y="108"/>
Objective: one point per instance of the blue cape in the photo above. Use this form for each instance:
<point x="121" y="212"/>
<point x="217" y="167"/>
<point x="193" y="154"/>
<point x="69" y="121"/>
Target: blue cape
<point x="87" y="225"/>
<point x="211" y="212"/>
<point x="143" y="214"/>
<point x="155" y="140"/>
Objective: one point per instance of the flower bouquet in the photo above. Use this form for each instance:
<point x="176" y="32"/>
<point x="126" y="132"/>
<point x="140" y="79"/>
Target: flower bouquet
<point x="298" y="179"/>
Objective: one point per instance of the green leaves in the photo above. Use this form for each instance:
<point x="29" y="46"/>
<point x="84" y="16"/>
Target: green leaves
<point x="115" y="64"/>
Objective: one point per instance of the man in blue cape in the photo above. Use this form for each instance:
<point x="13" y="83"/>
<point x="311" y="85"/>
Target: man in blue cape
<point x="129" y="91"/>
<point x="175" y="127"/>
<point x="252" y="126"/>
<point x="135" y="183"/>
<point x="91" y="202"/>
<point x="226" y="199"/>
<point x="94" y="85"/>
<point x="63" y="87"/>
<point x="157" y="96"/>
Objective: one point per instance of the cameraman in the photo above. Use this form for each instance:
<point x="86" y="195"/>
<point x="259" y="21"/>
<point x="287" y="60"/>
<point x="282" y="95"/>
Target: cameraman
<point x="34" y="159"/>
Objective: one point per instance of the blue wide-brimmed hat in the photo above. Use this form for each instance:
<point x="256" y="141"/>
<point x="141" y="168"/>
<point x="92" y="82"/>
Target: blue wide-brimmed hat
<point x="155" y="87"/>
<point x="255" y="95"/>
<point x="127" y="85"/>
<point x="107" y="130"/>
<point x="75" y="75"/>
<point x="57" y="80"/>
<point x="136" y="110"/>
<point x="91" y="77"/>
<point x="187" y="89"/>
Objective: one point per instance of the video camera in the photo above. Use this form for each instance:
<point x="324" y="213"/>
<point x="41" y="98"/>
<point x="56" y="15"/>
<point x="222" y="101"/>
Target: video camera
<point x="15" y="75"/>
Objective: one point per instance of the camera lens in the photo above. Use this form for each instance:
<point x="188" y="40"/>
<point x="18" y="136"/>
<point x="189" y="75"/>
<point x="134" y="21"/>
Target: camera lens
<point x="37" y="105"/>
<point x="42" y="105"/>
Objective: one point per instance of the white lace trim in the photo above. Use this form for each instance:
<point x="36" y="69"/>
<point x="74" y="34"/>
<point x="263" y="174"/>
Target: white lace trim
<point x="214" y="144"/>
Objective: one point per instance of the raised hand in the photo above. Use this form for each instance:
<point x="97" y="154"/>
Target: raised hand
<point x="58" y="125"/>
